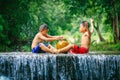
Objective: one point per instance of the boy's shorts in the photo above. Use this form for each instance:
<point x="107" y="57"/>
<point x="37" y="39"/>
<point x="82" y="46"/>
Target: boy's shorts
<point x="37" y="49"/>
<point x="79" y="50"/>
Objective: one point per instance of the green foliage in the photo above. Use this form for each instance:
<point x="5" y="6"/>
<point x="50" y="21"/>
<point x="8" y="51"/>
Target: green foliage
<point x="25" y="48"/>
<point x="4" y="47"/>
<point x="3" y="33"/>
<point x="105" y="46"/>
<point x="20" y="21"/>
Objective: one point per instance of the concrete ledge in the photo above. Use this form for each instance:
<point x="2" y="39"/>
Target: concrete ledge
<point x="90" y="53"/>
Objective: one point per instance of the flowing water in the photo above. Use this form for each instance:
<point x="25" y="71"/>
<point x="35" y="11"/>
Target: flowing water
<point x="21" y="66"/>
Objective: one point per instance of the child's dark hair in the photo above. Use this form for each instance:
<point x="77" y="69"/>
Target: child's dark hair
<point x="84" y="23"/>
<point x="43" y="27"/>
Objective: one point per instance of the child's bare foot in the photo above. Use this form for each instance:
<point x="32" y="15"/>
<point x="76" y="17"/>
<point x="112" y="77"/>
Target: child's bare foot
<point x="52" y="51"/>
<point x="55" y="51"/>
<point x="58" y="51"/>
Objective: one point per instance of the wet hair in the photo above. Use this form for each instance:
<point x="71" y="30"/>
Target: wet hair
<point x="84" y="23"/>
<point x="43" y="27"/>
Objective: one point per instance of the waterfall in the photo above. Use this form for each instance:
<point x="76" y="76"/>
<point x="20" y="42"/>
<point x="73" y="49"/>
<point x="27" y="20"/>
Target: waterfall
<point x="28" y="66"/>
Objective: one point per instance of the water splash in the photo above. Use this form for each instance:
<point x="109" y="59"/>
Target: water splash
<point x="59" y="67"/>
<point x="4" y="78"/>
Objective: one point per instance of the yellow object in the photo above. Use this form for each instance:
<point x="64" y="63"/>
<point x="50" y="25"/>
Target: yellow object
<point x="62" y="44"/>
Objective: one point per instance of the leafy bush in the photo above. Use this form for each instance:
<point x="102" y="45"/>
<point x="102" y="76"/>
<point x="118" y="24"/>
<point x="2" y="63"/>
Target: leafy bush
<point x="104" y="46"/>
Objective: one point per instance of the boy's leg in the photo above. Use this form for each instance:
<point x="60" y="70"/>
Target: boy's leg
<point x="66" y="49"/>
<point x="46" y="49"/>
<point x="52" y="48"/>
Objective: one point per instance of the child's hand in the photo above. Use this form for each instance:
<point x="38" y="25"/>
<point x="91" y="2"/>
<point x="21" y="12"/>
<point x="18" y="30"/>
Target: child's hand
<point x="60" y="37"/>
<point x="91" y="20"/>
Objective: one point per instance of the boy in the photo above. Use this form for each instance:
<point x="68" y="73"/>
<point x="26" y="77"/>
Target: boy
<point x="38" y="45"/>
<point x="85" y="40"/>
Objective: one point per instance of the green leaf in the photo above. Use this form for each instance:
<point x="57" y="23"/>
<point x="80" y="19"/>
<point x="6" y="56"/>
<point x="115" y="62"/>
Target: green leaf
<point x="1" y="28"/>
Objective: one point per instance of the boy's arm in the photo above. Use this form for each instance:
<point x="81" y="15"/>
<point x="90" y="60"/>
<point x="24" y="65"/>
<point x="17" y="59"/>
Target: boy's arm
<point x="92" y="26"/>
<point x="51" y="36"/>
<point x="49" y="39"/>
<point x="88" y="32"/>
<point x="48" y="36"/>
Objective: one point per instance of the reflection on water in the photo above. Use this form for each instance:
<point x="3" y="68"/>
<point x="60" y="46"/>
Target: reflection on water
<point x="4" y="78"/>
